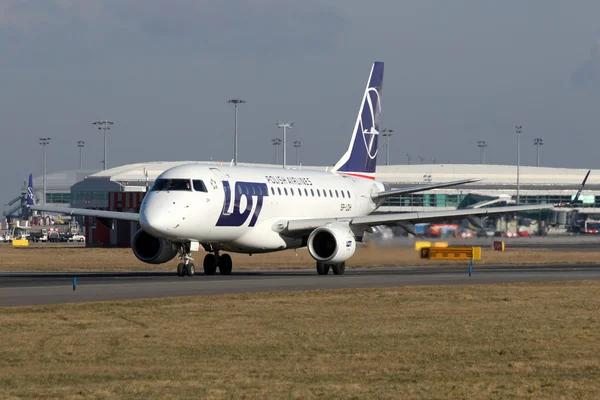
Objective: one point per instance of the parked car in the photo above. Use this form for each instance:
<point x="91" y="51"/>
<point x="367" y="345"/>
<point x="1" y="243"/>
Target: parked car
<point x="485" y="233"/>
<point x="77" y="239"/>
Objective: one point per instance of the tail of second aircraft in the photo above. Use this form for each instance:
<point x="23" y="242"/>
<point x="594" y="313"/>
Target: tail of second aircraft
<point x="30" y="197"/>
<point x="361" y="157"/>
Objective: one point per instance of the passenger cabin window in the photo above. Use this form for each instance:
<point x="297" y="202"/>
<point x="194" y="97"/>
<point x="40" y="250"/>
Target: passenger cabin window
<point x="285" y="191"/>
<point x="330" y="193"/>
<point x="279" y="191"/>
<point x="199" y="186"/>
<point x="343" y="195"/>
<point x="171" y="184"/>
<point x="272" y="191"/>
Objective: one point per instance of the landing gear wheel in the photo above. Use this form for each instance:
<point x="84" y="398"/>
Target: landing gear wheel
<point x="190" y="270"/>
<point x="225" y="264"/>
<point x="338" y="269"/>
<point x="180" y="269"/>
<point x="322" y="269"/>
<point x="210" y="264"/>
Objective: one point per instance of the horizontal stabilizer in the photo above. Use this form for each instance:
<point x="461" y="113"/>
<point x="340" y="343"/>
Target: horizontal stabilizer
<point x="421" y="188"/>
<point x="85" y="212"/>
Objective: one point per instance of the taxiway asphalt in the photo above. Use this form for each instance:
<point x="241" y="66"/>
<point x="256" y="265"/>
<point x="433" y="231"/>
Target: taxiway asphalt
<point x="52" y="288"/>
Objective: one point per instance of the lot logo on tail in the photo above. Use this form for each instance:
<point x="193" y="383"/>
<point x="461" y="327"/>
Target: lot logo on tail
<point x="30" y="196"/>
<point x="368" y="118"/>
<point x="253" y="193"/>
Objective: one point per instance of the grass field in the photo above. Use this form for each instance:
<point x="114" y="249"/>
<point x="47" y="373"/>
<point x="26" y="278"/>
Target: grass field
<point x="488" y="341"/>
<point x="78" y="258"/>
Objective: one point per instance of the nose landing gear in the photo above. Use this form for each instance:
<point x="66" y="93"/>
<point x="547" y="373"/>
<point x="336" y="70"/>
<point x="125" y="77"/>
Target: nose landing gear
<point x="186" y="267"/>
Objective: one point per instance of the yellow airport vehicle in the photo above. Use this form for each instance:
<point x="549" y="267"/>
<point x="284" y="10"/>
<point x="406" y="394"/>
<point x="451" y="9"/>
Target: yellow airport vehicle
<point x="421" y="245"/>
<point x="20" y="242"/>
<point x="451" y="253"/>
<point x="440" y="244"/>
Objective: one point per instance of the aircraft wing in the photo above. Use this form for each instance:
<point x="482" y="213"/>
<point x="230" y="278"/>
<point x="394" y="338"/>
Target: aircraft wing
<point x="101" y="214"/>
<point x="421" y="188"/>
<point x="302" y="226"/>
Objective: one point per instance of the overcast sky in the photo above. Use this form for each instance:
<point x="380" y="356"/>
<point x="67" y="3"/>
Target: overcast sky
<point x="455" y="73"/>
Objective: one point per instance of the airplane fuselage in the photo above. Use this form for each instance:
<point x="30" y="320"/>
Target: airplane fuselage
<point x="235" y="208"/>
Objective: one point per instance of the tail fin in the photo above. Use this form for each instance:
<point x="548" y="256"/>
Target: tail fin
<point x="361" y="157"/>
<point x="30" y="197"/>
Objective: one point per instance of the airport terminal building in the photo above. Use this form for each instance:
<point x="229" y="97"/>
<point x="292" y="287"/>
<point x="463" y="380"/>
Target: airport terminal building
<point x="123" y="188"/>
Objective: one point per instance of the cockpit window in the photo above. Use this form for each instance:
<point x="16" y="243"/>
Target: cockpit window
<point x="171" y="184"/>
<point x="199" y="186"/>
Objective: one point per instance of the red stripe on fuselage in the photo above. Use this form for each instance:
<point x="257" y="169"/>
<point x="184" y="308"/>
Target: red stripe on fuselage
<point x="358" y="175"/>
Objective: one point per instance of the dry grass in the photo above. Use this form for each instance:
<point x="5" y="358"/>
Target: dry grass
<point x="493" y="341"/>
<point x="78" y="258"/>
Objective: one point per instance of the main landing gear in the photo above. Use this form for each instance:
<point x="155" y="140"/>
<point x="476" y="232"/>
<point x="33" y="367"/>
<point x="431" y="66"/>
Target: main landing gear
<point x="338" y="269"/>
<point x="223" y="262"/>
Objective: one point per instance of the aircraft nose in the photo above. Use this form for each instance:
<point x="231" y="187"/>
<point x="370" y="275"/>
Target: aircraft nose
<point x="155" y="220"/>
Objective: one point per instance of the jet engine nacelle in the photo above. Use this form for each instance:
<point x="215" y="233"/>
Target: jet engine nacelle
<point x="332" y="243"/>
<point x="152" y="250"/>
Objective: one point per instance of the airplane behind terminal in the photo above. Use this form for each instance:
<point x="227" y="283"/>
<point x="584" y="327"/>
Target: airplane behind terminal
<point x="30" y="199"/>
<point x="258" y="210"/>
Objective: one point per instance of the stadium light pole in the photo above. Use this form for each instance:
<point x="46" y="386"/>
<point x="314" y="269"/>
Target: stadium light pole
<point x="44" y="141"/>
<point x="284" y="125"/>
<point x="518" y="130"/>
<point x="408" y="158"/>
<point x="422" y="159"/>
<point x="80" y="144"/>
<point x="388" y="134"/>
<point x="105" y="126"/>
<point x="297" y="145"/>
<point x="276" y="143"/>
<point x="537" y="142"/>
<point x="235" y="103"/>
<point x="482" y="145"/>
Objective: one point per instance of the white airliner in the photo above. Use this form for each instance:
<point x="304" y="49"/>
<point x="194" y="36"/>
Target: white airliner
<point x="258" y="210"/>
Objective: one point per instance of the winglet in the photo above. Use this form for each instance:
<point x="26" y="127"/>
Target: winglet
<point x="576" y="198"/>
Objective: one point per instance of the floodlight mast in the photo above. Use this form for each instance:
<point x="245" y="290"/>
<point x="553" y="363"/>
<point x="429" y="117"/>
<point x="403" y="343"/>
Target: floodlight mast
<point x="297" y="145"/>
<point x="537" y="142"/>
<point x="518" y="130"/>
<point x="388" y="134"/>
<point x="44" y="141"/>
<point x="482" y="145"/>
<point x="80" y="144"/>
<point x="284" y="125"/>
<point x="105" y="126"/>
<point x="276" y="142"/>
<point x="235" y="103"/>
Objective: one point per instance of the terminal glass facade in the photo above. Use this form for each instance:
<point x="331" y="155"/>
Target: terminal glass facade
<point x="425" y="200"/>
<point x="58" y="198"/>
